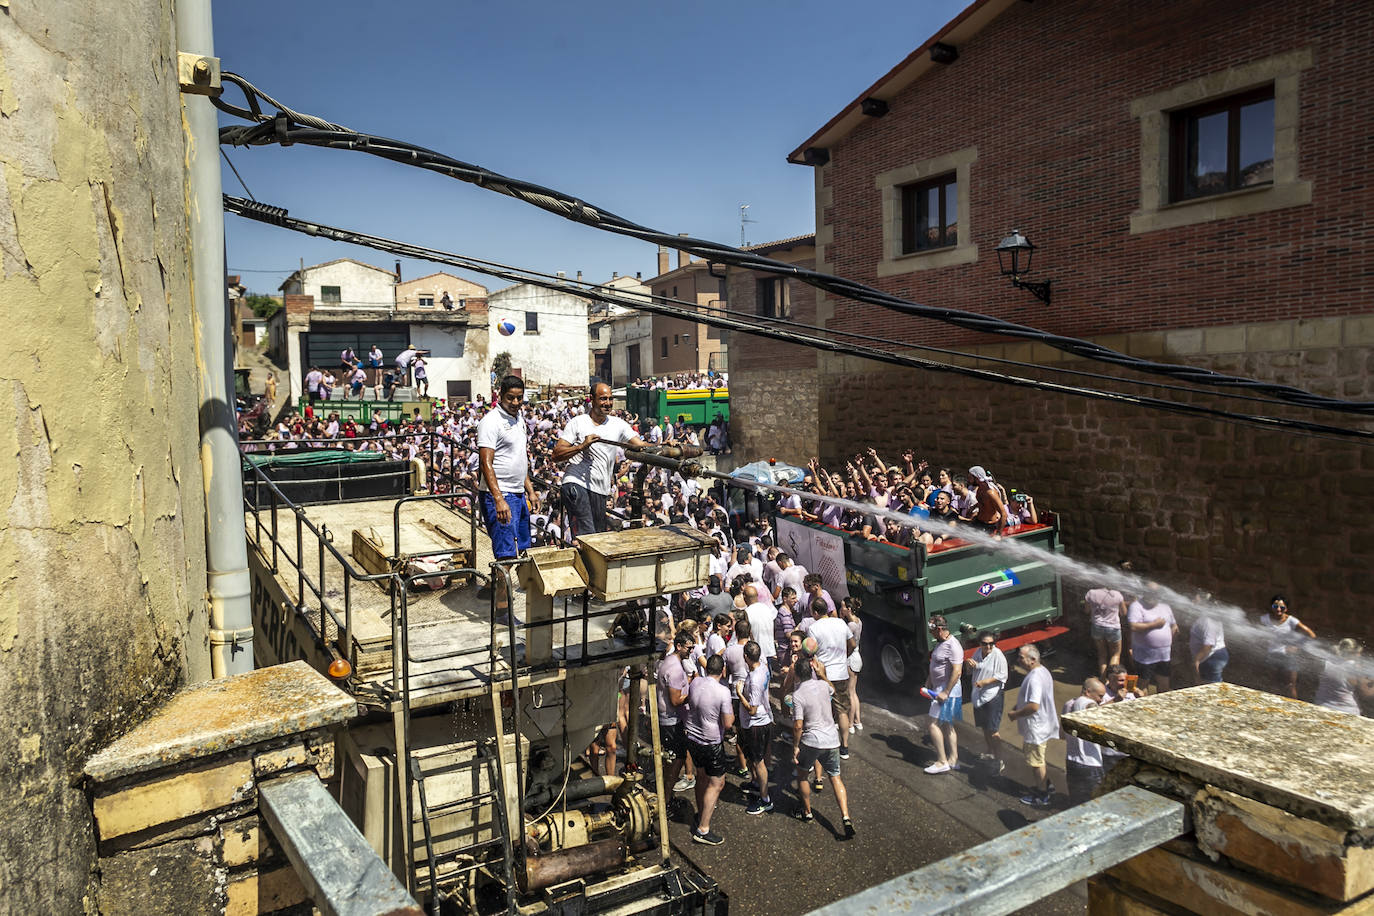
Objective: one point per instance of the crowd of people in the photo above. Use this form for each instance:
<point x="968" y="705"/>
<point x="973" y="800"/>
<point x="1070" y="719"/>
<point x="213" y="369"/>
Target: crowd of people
<point x="681" y="380"/>
<point x="764" y="628"/>
<point x="447" y="444"/>
<point x="909" y="487"/>
<point x="358" y="377"/>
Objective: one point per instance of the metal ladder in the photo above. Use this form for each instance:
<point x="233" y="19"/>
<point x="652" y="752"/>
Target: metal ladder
<point x="486" y="763"/>
<point x="487" y="760"/>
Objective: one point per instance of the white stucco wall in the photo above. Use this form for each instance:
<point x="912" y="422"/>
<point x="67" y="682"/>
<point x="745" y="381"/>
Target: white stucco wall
<point x="626" y="331"/>
<point x="360" y="286"/>
<point x="456" y="354"/>
<point x="557" y="355"/>
<point x="295" y="370"/>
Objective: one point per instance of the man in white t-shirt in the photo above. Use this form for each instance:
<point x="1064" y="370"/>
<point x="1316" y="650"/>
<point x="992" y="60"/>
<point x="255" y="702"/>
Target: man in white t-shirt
<point x="761" y="615"/>
<point x="834" y="642"/>
<point x="1038" y="720"/>
<point x="507" y="492"/>
<point x="1083" y="759"/>
<point x="745" y="562"/>
<point x="792" y="574"/>
<point x="404" y="359"/>
<point x="989" y="665"/>
<point x="589" y="445"/>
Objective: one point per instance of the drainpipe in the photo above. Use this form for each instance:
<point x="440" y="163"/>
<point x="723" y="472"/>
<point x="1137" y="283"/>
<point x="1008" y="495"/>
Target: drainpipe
<point x="231" y="617"/>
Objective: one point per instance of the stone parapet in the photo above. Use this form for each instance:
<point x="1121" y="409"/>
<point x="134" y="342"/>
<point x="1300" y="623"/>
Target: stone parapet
<point x="1281" y="810"/>
<point x="175" y="800"/>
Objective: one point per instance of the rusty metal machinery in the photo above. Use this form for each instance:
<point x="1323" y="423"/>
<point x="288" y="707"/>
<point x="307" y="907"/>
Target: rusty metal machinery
<point x="577" y="842"/>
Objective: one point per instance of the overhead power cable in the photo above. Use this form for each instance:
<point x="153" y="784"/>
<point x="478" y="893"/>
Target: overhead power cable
<point x="961" y="354"/>
<point x="287" y="127"/>
<point x="278" y="216"/>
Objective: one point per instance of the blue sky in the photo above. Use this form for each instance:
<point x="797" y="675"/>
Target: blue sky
<point x="670" y="114"/>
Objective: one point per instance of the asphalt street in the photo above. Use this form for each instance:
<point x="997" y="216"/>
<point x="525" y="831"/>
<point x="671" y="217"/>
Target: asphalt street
<point x="774" y="865"/>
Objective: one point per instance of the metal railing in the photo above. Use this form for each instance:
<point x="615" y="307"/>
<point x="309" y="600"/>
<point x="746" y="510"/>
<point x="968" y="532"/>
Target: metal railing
<point x="308" y="564"/>
<point x="1017" y="869"/>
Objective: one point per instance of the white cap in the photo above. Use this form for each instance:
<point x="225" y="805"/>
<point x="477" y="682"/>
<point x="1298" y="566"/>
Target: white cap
<point x="978" y="474"/>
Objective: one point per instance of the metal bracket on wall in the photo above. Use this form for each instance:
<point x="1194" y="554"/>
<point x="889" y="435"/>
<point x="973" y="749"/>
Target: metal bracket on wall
<point x="198" y="74"/>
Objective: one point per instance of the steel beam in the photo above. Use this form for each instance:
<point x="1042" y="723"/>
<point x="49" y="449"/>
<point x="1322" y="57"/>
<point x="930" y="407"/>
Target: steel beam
<point x="1019" y="868"/>
<point x="340" y="872"/>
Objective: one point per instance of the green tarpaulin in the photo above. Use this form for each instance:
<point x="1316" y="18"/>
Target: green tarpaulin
<point x="310" y="456"/>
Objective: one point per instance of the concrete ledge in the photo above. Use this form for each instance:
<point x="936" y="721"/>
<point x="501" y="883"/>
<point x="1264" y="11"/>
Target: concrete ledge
<point x="212" y="718"/>
<point x="1306" y="760"/>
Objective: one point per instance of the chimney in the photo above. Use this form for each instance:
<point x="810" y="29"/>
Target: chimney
<point x="398" y="271"/>
<point x="662" y="259"/>
<point x="639" y="275"/>
<point x="683" y="258"/>
<point x="614" y="274"/>
<point x="579" y="276"/>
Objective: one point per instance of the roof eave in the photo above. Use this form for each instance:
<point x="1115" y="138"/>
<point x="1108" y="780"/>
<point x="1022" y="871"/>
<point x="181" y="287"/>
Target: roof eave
<point x="957" y="31"/>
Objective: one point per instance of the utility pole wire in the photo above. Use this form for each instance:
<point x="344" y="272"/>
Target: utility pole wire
<point x="284" y="128"/>
<point x="278" y="216"/>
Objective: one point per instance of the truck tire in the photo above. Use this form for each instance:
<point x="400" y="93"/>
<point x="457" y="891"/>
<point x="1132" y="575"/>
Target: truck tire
<point x="894" y="659"/>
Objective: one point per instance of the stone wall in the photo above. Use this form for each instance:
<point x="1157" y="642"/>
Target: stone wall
<point x="178" y="806"/>
<point x="773" y="414"/>
<point x="773" y="385"/>
<point x="1259" y="834"/>
<point x="1243" y="512"/>
<point x="102" y="555"/>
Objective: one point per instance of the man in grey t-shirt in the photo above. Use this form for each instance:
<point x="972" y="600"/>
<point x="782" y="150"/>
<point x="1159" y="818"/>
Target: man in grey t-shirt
<point x="815" y="737"/>
<point x="710" y="713"/>
<point x="717" y="600"/>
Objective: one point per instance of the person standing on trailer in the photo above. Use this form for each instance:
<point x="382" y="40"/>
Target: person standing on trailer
<point x="588" y="445"/>
<point x="507" y="493"/>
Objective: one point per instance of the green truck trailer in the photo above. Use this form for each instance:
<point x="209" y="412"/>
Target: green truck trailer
<point x="974" y="587"/>
<point x="697" y="406"/>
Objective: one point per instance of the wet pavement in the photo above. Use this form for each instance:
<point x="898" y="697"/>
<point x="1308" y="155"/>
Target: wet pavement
<point x="774" y="865"/>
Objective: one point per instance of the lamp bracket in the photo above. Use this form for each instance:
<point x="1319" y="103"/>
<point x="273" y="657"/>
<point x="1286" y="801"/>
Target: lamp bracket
<point x="1040" y="291"/>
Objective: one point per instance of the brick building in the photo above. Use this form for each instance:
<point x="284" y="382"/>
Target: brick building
<point x="1192" y="175"/>
<point x="679" y="344"/>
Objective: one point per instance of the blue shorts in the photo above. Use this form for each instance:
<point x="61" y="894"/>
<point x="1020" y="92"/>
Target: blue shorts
<point x="951" y="710"/>
<point x="513" y="538"/>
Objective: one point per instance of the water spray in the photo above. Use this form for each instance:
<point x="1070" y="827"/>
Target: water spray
<point x="1187" y="609"/>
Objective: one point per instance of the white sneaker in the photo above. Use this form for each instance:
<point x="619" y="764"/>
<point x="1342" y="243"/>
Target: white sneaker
<point x="853" y="729"/>
<point x="685" y="783"/>
<point x="859" y="726"/>
<point x="936" y="768"/>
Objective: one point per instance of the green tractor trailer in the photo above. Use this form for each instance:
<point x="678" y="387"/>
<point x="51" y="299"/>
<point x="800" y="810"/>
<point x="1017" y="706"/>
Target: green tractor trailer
<point x="974" y="587"/>
<point x="696" y="406"/>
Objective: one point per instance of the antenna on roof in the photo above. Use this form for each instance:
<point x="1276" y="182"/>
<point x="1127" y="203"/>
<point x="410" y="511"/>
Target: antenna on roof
<point x="743" y="221"/>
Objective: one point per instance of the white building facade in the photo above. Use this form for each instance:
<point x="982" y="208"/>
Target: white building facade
<point x="549" y="343"/>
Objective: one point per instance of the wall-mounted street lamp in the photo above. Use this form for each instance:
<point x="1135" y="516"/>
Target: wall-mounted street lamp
<point x="1014" y="259"/>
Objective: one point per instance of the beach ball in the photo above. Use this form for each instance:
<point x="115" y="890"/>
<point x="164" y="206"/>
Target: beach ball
<point x="506" y="327"/>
